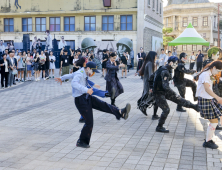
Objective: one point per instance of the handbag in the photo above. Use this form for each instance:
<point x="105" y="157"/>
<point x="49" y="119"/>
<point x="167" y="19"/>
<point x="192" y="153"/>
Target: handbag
<point x="14" y="72"/>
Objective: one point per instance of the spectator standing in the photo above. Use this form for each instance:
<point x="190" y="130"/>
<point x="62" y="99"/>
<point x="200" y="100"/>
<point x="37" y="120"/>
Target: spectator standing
<point x="29" y="60"/>
<point x="20" y="67"/>
<point x="162" y="58"/>
<point x="140" y="57"/>
<point x="192" y="61"/>
<point x="71" y="57"/>
<point x="47" y="65"/>
<point x="104" y="60"/>
<point x="11" y="64"/>
<point x="128" y="61"/>
<point x="15" y="66"/>
<point x="174" y="52"/>
<point x="4" y="64"/>
<point x="24" y="57"/>
<point x="124" y="59"/>
<point x="60" y="58"/>
<point x="2" y="47"/>
<point x="52" y="60"/>
<point x="42" y="66"/>
<point x="75" y="68"/>
<point x="169" y="55"/>
<point x="200" y="59"/>
<point x="36" y="66"/>
<point x="65" y="63"/>
<point x="39" y="46"/>
<point x="132" y="57"/>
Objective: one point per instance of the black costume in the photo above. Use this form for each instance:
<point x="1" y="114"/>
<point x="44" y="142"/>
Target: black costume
<point x="105" y="56"/>
<point x="162" y="91"/>
<point x="181" y="83"/>
<point x="140" y="62"/>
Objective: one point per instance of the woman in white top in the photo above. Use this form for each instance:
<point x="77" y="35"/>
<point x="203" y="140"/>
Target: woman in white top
<point x="52" y="64"/>
<point x="21" y="67"/>
<point x="209" y="103"/>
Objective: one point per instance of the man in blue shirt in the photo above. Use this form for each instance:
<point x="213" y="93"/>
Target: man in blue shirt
<point x="200" y="58"/>
<point x="85" y="102"/>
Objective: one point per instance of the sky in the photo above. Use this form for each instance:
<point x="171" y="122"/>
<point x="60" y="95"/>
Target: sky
<point x="216" y="1"/>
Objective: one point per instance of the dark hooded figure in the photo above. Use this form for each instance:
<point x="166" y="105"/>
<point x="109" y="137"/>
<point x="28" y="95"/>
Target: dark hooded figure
<point x="181" y="83"/>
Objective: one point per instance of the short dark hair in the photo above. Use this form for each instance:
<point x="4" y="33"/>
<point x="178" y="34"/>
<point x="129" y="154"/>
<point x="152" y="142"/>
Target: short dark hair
<point x="78" y="50"/>
<point x="169" y="52"/>
<point x="112" y="55"/>
<point x="162" y="49"/>
<point x="199" y="50"/>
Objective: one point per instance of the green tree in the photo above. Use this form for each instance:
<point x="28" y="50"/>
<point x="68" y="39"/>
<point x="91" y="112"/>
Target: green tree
<point x="166" y="37"/>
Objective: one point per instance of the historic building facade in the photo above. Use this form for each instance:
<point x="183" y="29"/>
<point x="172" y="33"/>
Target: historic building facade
<point x="100" y="20"/>
<point x="201" y="13"/>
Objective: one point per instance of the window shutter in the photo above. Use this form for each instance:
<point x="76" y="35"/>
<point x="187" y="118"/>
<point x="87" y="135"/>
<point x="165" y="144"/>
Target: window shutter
<point x="107" y="3"/>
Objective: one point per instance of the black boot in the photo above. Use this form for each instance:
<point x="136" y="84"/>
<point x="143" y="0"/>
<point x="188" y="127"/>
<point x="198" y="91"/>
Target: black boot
<point x="82" y="120"/>
<point x="210" y="144"/>
<point x="82" y="144"/>
<point x="162" y="129"/>
<point x="113" y="102"/>
<point x="155" y="117"/>
<point x="180" y="109"/>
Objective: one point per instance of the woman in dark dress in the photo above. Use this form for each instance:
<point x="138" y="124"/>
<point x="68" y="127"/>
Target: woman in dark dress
<point x="111" y="78"/>
<point x="146" y="71"/>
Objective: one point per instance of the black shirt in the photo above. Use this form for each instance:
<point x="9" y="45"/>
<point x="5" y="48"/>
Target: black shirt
<point x="123" y="59"/>
<point x="71" y="60"/>
<point x="65" y="59"/>
<point x="105" y="56"/>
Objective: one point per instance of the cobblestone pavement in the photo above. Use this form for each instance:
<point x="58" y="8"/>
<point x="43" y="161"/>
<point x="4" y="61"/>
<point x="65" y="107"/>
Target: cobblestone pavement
<point x="39" y="128"/>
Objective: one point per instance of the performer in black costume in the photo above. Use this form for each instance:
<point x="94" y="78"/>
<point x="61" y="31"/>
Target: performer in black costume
<point x="181" y="83"/>
<point x="162" y="91"/>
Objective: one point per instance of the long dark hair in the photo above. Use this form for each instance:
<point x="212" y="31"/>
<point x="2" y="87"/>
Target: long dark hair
<point x="149" y="58"/>
<point x="217" y="64"/>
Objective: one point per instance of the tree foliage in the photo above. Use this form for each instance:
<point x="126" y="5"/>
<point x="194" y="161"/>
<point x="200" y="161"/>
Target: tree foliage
<point x="166" y="37"/>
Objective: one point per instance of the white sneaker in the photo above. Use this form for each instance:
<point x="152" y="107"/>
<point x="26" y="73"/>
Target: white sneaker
<point x="36" y="80"/>
<point x="44" y="79"/>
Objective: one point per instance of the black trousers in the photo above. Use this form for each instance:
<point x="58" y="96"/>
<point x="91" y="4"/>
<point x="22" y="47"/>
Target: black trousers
<point x="199" y="66"/>
<point x="85" y="104"/>
<point x="192" y="65"/>
<point x="182" y="88"/>
<point x="161" y="102"/>
<point x="4" y="76"/>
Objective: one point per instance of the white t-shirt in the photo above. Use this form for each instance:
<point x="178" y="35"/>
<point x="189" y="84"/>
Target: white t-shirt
<point x="192" y="59"/>
<point x="166" y="59"/>
<point x="6" y="66"/>
<point x="51" y="57"/>
<point x="204" y="78"/>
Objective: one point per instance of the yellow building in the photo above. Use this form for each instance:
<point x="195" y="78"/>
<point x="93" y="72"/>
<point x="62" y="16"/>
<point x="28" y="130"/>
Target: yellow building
<point x="79" y="19"/>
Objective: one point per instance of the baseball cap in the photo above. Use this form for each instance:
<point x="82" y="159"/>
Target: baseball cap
<point x="92" y="66"/>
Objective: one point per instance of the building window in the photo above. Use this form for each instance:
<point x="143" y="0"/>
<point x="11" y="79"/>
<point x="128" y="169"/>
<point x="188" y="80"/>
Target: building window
<point x="184" y="47"/>
<point x="204" y="49"/>
<point x="90" y="23"/>
<point x="160" y="8"/>
<point x="157" y="6"/>
<point x="195" y="23"/>
<point x="204" y="35"/>
<point x="9" y="25"/>
<point x="54" y="24"/>
<point x="126" y="22"/>
<point x="108" y="23"/>
<point x="184" y="22"/>
<point x="26" y="24"/>
<point x="69" y="23"/>
<point x="154" y="4"/>
<point x="40" y="24"/>
<point x="148" y="2"/>
<point x="205" y="21"/>
<point x="194" y="47"/>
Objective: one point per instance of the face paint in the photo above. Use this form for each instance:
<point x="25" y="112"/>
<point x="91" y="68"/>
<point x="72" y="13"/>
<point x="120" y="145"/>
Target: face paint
<point x="184" y="60"/>
<point x="92" y="74"/>
<point x="174" y="65"/>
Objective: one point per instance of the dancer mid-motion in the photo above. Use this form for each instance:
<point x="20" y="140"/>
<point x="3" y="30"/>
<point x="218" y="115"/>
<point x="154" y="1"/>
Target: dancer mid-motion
<point x="163" y="92"/>
<point x="181" y="83"/>
<point x="85" y="102"/>
<point x="146" y="71"/>
<point x="111" y="78"/>
<point x="209" y="103"/>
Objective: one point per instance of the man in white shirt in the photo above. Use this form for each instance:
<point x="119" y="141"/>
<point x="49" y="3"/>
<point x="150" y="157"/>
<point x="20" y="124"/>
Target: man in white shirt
<point x="192" y="61"/>
<point x="2" y="47"/>
<point x="62" y="43"/>
<point x="162" y="58"/>
<point x="48" y="41"/>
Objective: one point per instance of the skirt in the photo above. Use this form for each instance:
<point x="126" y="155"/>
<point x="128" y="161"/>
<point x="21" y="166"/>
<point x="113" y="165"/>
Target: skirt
<point x="209" y="108"/>
<point x="36" y="66"/>
<point x="116" y="84"/>
<point x="29" y="67"/>
<point x="52" y="65"/>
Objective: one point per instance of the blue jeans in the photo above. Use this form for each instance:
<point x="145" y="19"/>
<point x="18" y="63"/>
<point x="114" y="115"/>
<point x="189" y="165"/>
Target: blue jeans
<point x="132" y="62"/>
<point x="99" y="93"/>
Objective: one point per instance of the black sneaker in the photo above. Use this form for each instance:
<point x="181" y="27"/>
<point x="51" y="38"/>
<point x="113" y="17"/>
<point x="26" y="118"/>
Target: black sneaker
<point x="82" y="120"/>
<point x="210" y="144"/>
<point x="219" y="127"/>
<point x="125" y="111"/>
<point x="180" y="109"/>
<point x="155" y="117"/>
<point x="82" y="144"/>
<point x="162" y="129"/>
